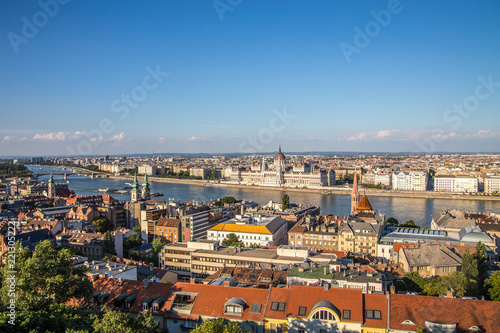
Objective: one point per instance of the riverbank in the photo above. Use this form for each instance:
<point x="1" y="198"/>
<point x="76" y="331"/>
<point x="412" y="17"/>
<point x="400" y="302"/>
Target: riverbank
<point x="324" y="190"/>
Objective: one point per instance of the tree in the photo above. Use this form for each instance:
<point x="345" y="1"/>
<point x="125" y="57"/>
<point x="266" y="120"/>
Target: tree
<point x="456" y="282"/>
<point x="119" y="322"/>
<point x="218" y="326"/>
<point x="482" y="267"/>
<point x="409" y="224"/>
<point x="45" y="277"/>
<point x="109" y="244"/>
<point x="391" y="222"/>
<point x="412" y="281"/>
<point x="232" y="240"/>
<point x="227" y="200"/>
<point x="493" y="286"/>
<point x="158" y="244"/>
<point x="55" y="318"/>
<point x="420" y="329"/>
<point x="103" y="225"/>
<point x="285" y="202"/>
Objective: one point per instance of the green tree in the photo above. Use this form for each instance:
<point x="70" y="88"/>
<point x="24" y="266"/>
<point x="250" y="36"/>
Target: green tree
<point x="45" y="277"/>
<point x="493" y="286"/>
<point x="218" y="326"/>
<point x="55" y="318"/>
<point x="391" y="222"/>
<point x="109" y="244"/>
<point x="232" y="240"/>
<point x="103" y="225"/>
<point x="227" y="200"/>
<point x="119" y="322"/>
<point x="412" y="282"/>
<point x="456" y="282"/>
<point x="158" y="244"/>
<point x="285" y="202"/>
<point x="409" y="224"/>
<point x="420" y="329"/>
<point x="482" y="267"/>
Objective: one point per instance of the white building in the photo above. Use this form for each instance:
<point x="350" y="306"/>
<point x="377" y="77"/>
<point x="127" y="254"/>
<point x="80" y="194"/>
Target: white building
<point x="147" y="170"/>
<point x="376" y="178"/>
<point x="280" y="175"/>
<point x="410" y="180"/>
<point x="447" y="183"/>
<point x="260" y="230"/>
<point x="492" y="184"/>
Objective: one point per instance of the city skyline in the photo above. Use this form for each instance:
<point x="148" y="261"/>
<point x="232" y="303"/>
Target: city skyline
<point x="93" y="78"/>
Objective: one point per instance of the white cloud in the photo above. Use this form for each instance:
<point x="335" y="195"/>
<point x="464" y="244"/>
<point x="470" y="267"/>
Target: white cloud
<point x="53" y="136"/>
<point x="118" y="137"/>
<point x="161" y="140"/>
<point x="8" y="138"/>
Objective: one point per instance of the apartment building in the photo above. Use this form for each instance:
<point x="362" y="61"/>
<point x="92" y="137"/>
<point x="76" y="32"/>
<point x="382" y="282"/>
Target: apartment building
<point x="202" y="258"/>
<point x="492" y="184"/>
<point x="410" y="180"/>
<point x="446" y="183"/>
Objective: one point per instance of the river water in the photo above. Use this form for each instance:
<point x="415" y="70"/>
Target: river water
<point x="403" y="209"/>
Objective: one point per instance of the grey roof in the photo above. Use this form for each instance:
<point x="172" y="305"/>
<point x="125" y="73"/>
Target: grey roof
<point x="434" y="255"/>
<point x="474" y="234"/>
<point x="360" y="228"/>
<point x="445" y="221"/>
<point x="220" y="281"/>
<point x="236" y="301"/>
<point x="325" y="304"/>
<point x="32" y="238"/>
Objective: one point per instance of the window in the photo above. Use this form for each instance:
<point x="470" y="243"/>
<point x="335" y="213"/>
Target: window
<point x="323" y="315"/>
<point x="276" y="306"/>
<point x="373" y="314"/>
<point x="255" y="308"/>
<point x="346" y="314"/>
<point x="301" y="330"/>
<point x="302" y="310"/>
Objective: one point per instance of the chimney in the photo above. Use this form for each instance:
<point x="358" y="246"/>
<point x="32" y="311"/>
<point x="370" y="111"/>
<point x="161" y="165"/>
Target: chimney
<point x="145" y="283"/>
<point x="393" y="290"/>
<point x="192" y="281"/>
<point x="325" y="271"/>
<point x="450" y="294"/>
<point x="226" y="284"/>
<point x="326" y="286"/>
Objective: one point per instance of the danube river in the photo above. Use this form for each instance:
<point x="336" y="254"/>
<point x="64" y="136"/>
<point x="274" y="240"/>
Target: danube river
<point x="403" y="209"/>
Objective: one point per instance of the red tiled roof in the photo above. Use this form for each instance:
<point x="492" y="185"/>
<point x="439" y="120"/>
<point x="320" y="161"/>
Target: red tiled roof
<point x="465" y="312"/>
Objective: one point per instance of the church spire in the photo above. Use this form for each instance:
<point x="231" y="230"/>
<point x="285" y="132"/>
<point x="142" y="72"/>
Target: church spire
<point x="354" y="193"/>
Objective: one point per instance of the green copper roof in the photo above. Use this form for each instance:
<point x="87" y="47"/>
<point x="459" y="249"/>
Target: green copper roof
<point x="145" y="184"/>
<point x="51" y="179"/>
<point x="135" y="185"/>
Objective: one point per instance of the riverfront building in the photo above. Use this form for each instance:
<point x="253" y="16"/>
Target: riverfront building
<point x="492" y="184"/>
<point x="279" y="174"/>
<point x="447" y="183"/>
<point x="410" y="180"/>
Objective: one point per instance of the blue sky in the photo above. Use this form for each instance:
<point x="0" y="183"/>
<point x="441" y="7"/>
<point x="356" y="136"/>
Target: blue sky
<point x="114" y="77"/>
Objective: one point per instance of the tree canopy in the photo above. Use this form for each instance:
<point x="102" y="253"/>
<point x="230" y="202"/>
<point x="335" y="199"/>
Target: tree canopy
<point x="219" y="326"/>
<point x="103" y="225"/>
<point x="493" y="286"/>
<point x="391" y="222"/>
<point x="227" y="200"/>
<point x="232" y="240"/>
<point x="119" y="322"/>
<point x="285" y="202"/>
<point x="109" y="244"/>
<point x="45" y="277"/>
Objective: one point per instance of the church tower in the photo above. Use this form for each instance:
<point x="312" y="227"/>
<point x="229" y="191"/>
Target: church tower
<point x="134" y="193"/>
<point x="51" y="191"/>
<point x="146" y="192"/>
<point x="354" y="194"/>
<point x="279" y="167"/>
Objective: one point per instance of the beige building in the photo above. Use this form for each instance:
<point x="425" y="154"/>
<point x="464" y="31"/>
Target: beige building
<point x="429" y="260"/>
